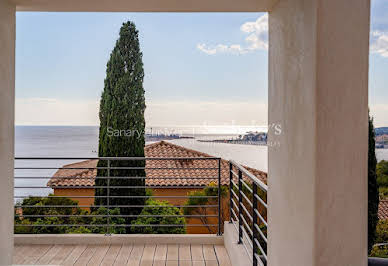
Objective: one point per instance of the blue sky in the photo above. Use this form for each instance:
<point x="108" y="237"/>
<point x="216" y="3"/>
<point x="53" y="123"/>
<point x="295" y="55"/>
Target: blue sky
<point x="203" y="68"/>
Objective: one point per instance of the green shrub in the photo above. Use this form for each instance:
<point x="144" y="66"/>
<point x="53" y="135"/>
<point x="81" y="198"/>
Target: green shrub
<point x="30" y="225"/>
<point x="168" y="211"/>
<point x="383" y="192"/>
<point x="382" y="231"/>
<point x="379" y="251"/>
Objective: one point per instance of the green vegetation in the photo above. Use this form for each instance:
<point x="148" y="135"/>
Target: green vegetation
<point x="122" y="122"/>
<point x="373" y="194"/>
<point x="165" y="209"/>
<point x="379" y="251"/>
<point x="382" y="175"/>
<point x="382" y="231"/>
<point x="201" y="197"/>
<point x="381" y="237"/>
<point x="27" y="218"/>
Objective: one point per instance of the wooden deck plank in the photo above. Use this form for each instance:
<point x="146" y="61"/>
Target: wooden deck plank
<point x="196" y="252"/>
<point x="209" y="253"/>
<point x="184" y="252"/>
<point x="123" y="256"/>
<point x="222" y="255"/>
<point x="50" y="254"/>
<point x="35" y="253"/>
<point x="62" y="254"/>
<point x="99" y="255"/>
<point x="74" y="255"/>
<point x="136" y="254"/>
<point x="198" y="263"/>
<point x="172" y="263"/>
<point x="211" y="263"/>
<point x="18" y="254"/>
<point x="111" y="255"/>
<point x="160" y="252"/>
<point x="148" y="255"/>
<point x="159" y="263"/>
<point x="172" y="252"/>
<point x="85" y="257"/>
<point x="185" y="263"/>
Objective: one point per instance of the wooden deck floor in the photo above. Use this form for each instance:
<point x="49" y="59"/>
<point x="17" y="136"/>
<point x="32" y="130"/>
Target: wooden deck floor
<point x="137" y="254"/>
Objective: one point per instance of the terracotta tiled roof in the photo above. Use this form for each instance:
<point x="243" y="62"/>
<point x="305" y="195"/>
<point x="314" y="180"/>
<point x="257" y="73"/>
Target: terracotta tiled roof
<point x="162" y="149"/>
<point x="383" y="210"/>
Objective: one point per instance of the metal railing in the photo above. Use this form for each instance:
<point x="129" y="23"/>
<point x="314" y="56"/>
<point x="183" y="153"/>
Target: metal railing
<point x="248" y="211"/>
<point x="31" y="176"/>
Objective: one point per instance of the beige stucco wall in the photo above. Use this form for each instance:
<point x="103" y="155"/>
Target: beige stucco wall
<point x="318" y="93"/>
<point x="7" y="114"/>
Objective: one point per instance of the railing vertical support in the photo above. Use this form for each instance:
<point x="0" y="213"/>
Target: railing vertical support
<point x="254" y="222"/>
<point x="108" y="201"/>
<point x="240" y="222"/>
<point x="219" y="197"/>
<point x="230" y="192"/>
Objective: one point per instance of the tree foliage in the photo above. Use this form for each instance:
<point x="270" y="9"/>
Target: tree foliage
<point x="373" y="194"/>
<point x="162" y="208"/>
<point x="382" y="173"/>
<point x="122" y="122"/>
<point x="30" y="220"/>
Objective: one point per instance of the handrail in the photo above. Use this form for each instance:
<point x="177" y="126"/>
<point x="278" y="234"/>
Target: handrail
<point x="248" y="228"/>
<point x="250" y="175"/>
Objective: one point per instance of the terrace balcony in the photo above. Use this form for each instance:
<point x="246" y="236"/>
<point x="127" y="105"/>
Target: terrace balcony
<point x="232" y="213"/>
<point x="317" y="93"/>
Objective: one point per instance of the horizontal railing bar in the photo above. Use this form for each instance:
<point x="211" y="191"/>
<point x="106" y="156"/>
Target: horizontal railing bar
<point x="261" y="218"/>
<point x="260" y="232"/>
<point x="260" y="183"/>
<point x="247" y="212"/>
<point x="261" y="201"/>
<point x="234" y="194"/>
<point x="114" y="168"/>
<point x="235" y="204"/>
<point x="235" y="215"/>
<point x="115" y="225"/>
<point x="116" y="187"/>
<point x="112" y="216"/>
<point x="236" y="175"/>
<point x="108" y="177"/>
<point x="261" y="249"/>
<point x="246" y="185"/>
<point x="246" y="198"/>
<point x="259" y="259"/>
<point x="117" y="158"/>
<point x="248" y="238"/>
<point x="247" y="225"/>
<point x="114" y="206"/>
<point x="117" y="197"/>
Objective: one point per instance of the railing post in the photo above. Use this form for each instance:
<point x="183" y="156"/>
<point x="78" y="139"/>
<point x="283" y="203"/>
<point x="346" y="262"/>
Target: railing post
<point x="254" y="229"/>
<point x="240" y="222"/>
<point x="230" y="191"/>
<point x="219" y="197"/>
<point x="108" y="201"/>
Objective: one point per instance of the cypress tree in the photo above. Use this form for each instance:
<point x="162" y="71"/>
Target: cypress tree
<point x="373" y="193"/>
<point x="122" y="122"/>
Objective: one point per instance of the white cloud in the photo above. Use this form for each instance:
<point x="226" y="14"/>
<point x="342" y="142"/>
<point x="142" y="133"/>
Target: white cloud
<point x="257" y="39"/>
<point x="379" y="43"/>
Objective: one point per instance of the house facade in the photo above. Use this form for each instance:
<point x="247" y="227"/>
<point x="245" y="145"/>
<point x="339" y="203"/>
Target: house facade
<point x="184" y="176"/>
